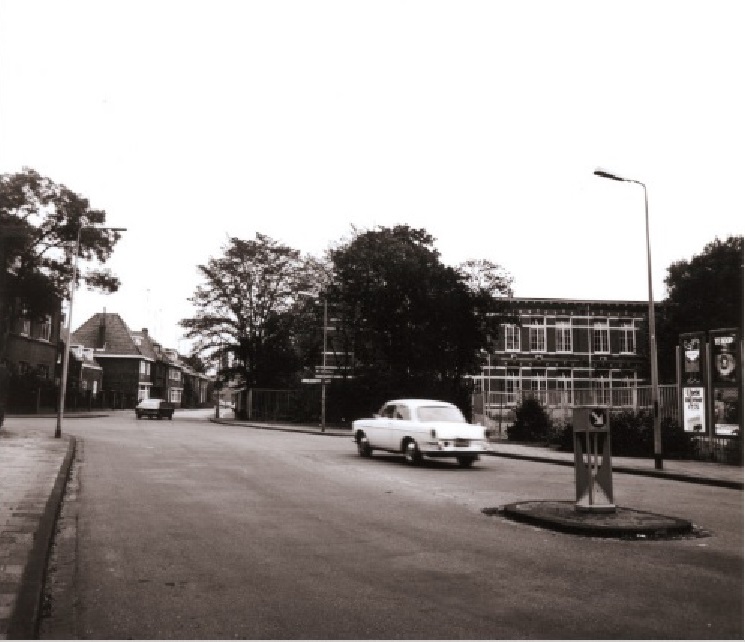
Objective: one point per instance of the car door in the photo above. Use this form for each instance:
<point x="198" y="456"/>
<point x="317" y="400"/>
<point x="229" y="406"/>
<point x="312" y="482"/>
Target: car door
<point x="378" y="427"/>
<point x="403" y="425"/>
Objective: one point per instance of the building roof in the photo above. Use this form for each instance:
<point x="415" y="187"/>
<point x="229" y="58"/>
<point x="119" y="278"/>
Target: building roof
<point x="106" y="333"/>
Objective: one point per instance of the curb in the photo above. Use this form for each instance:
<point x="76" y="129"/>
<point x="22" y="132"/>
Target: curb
<point x="657" y="526"/>
<point x="626" y="470"/>
<point x="24" y="621"/>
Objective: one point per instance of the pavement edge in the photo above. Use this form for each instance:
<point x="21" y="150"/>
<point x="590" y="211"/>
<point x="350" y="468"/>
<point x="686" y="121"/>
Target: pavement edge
<point x="24" y="621"/>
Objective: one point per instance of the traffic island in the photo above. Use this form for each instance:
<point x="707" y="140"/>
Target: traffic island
<point x="622" y="523"/>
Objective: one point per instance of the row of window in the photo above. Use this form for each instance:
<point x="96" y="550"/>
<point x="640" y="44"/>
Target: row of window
<point x="43" y="329"/>
<point x="146" y="368"/>
<point x="41" y="370"/>
<point x="600" y="337"/>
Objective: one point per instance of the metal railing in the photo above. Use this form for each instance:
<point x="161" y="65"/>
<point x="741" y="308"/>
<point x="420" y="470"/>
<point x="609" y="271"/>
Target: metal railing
<point x="560" y="403"/>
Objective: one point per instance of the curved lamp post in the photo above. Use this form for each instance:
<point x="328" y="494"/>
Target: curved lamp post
<point x="66" y="353"/>
<point x="652" y="336"/>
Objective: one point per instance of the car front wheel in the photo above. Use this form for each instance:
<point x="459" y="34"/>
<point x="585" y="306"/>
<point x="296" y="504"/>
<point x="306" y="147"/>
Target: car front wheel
<point x="466" y="461"/>
<point x="412" y="453"/>
<point x="363" y="446"/>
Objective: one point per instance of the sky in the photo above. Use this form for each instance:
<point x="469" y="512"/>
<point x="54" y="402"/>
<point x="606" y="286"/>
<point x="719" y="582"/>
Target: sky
<point x="190" y="122"/>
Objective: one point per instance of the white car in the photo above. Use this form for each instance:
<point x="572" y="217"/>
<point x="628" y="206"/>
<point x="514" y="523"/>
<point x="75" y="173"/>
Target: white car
<point x="419" y="428"/>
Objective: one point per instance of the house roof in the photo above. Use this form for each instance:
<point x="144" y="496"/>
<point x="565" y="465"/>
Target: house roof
<point x="107" y="333"/>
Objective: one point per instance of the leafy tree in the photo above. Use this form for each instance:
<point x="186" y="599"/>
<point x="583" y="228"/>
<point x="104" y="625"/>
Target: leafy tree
<point x="244" y="317"/>
<point x="405" y="315"/>
<point x="39" y="224"/>
<point x="703" y="293"/>
<point x="486" y="277"/>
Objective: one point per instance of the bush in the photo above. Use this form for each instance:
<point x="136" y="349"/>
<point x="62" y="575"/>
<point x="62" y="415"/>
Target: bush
<point x="532" y="423"/>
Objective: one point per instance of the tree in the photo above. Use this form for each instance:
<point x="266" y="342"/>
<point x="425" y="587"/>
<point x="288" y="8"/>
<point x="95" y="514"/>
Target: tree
<point x="39" y="224"/>
<point x="244" y="317"/>
<point x="702" y="294"/>
<point x="407" y="316"/>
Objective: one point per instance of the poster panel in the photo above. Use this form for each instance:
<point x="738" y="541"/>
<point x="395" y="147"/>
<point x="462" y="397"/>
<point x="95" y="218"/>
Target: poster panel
<point x="725" y="358"/>
<point x="726" y="411"/>
<point x="694" y="409"/>
<point x="692" y="353"/>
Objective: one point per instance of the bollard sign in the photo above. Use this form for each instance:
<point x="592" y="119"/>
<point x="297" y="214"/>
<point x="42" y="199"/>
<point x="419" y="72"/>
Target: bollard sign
<point x="590" y="419"/>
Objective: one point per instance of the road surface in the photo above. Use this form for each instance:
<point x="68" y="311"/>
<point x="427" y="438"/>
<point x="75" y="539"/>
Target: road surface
<point x="187" y="529"/>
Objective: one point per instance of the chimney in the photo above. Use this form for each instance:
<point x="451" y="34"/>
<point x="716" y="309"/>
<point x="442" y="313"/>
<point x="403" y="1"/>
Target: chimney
<point x="144" y="331"/>
<point x="102" y="332"/>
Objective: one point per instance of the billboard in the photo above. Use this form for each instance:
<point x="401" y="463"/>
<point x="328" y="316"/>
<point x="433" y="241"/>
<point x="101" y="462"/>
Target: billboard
<point x="725" y="369"/>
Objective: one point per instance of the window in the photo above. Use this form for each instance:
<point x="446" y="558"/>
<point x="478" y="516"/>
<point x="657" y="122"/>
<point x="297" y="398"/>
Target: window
<point x="23" y="326"/>
<point x="43" y="370"/>
<point x="45" y="329"/>
<point x="24" y="367"/>
<point x="402" y="412"/>
<point x="174" y="375"/>
<point x="600" y="341"/>
<point x="537" y="335"/>
<point x="627" y="344"/>
<point x="511" y="338"/>
<point x="145" y="368"/>
<point x="563" y="336"/>
<point x="143" y="392"/>
<point x="538" y="381"/>
<point x="175" y="395"/>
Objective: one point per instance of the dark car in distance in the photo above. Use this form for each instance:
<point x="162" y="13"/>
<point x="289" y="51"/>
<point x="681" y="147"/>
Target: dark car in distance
<point x="155" y="408"/>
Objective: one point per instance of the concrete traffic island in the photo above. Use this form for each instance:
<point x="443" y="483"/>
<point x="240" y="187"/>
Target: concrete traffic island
<point x="622" y="523"/>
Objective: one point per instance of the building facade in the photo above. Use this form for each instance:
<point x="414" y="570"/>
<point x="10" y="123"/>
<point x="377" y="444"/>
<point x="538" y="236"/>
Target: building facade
<point x="566" y="352"/>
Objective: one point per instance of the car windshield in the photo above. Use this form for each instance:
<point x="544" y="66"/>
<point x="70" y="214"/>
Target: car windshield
<point x="440" y="413"/>
<point x="150" y="403"/>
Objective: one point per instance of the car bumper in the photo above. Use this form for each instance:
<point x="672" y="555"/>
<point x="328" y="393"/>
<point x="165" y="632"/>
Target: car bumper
<point x="439" y="450"/>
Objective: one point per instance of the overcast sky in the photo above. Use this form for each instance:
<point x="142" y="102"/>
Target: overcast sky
<point x="481" y="122"/>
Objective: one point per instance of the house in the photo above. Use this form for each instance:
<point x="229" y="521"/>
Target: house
<point x="135" y="366"/>
<point x="31" y="358"/>
<point x="126" y="363"/>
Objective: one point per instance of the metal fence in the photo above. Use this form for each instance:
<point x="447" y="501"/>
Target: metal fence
<point x="560" y="403"/>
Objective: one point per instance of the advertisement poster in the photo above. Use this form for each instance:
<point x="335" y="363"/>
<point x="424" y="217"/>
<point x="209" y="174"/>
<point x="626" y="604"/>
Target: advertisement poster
<point x="726" y="411"/>
<point x="694" y="410"/>
<point x="725" y="358"/>
<point x="692" y="351"/>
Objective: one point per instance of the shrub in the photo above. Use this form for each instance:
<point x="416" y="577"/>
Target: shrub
<point x="532" y="422"/>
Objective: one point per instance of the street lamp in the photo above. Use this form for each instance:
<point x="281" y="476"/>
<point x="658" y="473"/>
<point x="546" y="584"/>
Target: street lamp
<point x="652" y="336"/>
<point x="323" y="357"/>
<point x="66" y="353"/>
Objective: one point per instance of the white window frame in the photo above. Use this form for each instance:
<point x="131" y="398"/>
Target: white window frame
<point x="511" y="338"/>
<point x="145" y="368"/>
<point x="563" y="332"/>
<point x="174" y="374"/>
<point x="600" y="337"/>
<point x="45" y="329"/>
<point x="627" y="339"/>
<point x="537" y="335"/>
<point x="175" y="395"/>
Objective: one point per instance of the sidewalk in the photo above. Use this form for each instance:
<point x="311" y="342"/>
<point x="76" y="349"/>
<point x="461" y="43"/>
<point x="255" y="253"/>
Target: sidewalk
<point x="33" y="471"/>
<point x="698" y="472"/>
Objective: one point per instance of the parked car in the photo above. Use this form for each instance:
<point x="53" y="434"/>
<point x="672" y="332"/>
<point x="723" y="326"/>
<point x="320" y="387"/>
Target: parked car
<point x="157" y="408"/>
<point x="418" y="428"/>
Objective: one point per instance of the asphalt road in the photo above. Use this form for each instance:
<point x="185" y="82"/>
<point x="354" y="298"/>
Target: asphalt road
<point x="186" y="529"/>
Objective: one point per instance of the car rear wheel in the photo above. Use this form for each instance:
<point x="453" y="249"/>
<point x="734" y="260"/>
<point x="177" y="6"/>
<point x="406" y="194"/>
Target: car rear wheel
<point x="363" y="446"/>
<point x="412" y="453"/>
<point x="466" y="461"/>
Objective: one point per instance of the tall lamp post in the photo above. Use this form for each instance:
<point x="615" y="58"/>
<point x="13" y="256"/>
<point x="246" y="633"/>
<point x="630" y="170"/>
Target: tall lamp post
<point x="66" y="353"/>
<point x="652" y="335"/>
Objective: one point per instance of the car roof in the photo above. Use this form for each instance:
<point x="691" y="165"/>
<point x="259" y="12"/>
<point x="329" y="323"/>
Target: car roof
<point x="420" y="402"/>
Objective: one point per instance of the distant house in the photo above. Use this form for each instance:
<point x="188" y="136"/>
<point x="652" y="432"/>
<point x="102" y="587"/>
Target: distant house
<point x="127" y="367"/>
<point x="135" y="366"/>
